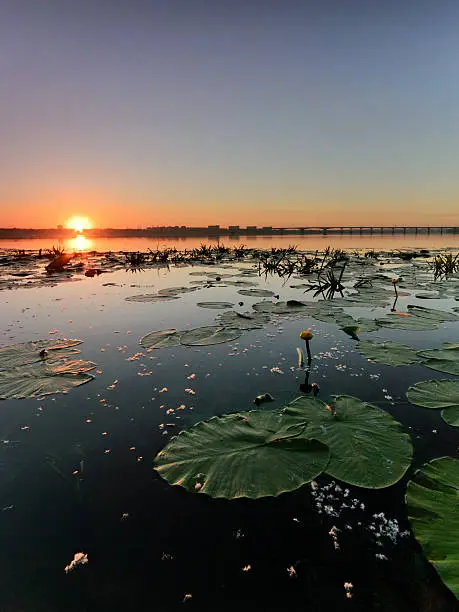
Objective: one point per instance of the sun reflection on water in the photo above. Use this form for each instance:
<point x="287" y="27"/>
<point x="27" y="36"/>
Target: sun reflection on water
<point x="80" y="243"/>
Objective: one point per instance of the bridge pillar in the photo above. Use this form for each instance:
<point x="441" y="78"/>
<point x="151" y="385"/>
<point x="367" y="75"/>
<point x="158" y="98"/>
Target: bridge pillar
<point x="428" y="230"/>
<point x="416" y="229"/>
<point x="361" y="229"/>
<point x="382" y="230"/>
<point x="371" y="230"/>
<point x="393" y="230"/>
<point x="441" y="230"/>
<point x="404" y="230"/>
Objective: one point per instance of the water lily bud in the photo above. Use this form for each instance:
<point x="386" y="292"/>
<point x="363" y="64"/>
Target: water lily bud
<point x="306" y="334"/>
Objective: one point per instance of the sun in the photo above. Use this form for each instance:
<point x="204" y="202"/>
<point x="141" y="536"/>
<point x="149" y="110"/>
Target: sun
<point x="78" y="223"/>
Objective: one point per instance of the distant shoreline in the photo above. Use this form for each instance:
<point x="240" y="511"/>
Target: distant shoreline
<point x="215" y="232"/>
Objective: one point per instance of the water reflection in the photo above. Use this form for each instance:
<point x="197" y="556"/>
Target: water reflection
<point x="80" y="243"/>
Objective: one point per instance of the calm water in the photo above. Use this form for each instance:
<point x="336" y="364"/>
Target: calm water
<point x="151" y="545"/>
<point x="386" y="242"/>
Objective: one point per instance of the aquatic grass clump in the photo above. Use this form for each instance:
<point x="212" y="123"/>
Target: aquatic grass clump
<point x="135" y="259"/>
<point x="329" y="285"/>
<point x="445" y="264"/>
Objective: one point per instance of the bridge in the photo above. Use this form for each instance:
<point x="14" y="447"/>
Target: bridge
<point x="365" y="229"/>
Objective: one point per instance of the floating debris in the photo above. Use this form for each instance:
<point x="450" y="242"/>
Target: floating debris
<point x="79" y="558"/>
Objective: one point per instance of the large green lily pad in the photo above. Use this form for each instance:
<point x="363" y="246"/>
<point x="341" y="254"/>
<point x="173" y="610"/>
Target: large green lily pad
<point x="445" y="359"/>
<point x="368" y="446"/>
<point x="211" y="334"/>
<point x="432" y="498"/>
<point x="241" y="455"/>
<point x="26" y="353"/>
<point x="438" y="394"/>
<point x="37" y="380"/>
<point x="164" y="338"/>
<point x="32" y="369"/>
<point x="388" y="353"/>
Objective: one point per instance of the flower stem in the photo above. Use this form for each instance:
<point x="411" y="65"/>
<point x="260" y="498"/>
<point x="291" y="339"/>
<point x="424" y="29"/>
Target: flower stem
<point x="308" y="350"/>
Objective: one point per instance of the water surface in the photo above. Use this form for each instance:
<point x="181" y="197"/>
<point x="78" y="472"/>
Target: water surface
<point x="76" y="469"/>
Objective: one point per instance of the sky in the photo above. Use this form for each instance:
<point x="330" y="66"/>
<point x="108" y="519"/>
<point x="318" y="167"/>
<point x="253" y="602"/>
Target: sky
<point x="136" y="113"/>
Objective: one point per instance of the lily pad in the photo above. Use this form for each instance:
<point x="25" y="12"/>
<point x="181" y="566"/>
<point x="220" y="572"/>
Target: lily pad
<point x="388" y="353"/>
<point x="289" y="307"/>
<point x="403" y="320"/>
<point x="212" y="334"/>
<point x="253" y="320"/>
<point x="26" y="353"/>
<point x="241" y="455"/>
<point x="32" y="369"/>
<point x="241" y="283"/>
<point x="432" y="497"/>
<point x="164" y="338"/>
<point x="328" y="314"/>
<point x="256" y="292"/>
<point x="367" y="325"/>
<point x="417" y="318"/>
<point x="425" y="295"/>
<point x="215" y="305"/>
<point x="150" y="297"/>
<point x="174" y="291"/>
<point x="438" y="394"/>
<point x="433" y="314"/>
<point x="445" y="359"/>
<point x="368" y="446"/>
<point x="376" y="296"/>
<point x="37" y="380"/>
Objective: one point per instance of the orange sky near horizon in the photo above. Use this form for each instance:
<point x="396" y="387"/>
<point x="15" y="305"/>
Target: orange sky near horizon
<point x="101" y="213"/>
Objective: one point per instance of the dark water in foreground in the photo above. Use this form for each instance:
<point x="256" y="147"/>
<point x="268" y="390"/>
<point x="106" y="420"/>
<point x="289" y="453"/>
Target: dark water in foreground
<point x="155" y="547"/>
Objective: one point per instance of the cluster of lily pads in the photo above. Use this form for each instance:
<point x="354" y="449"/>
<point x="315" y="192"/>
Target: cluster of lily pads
<point x="260" y="453"/>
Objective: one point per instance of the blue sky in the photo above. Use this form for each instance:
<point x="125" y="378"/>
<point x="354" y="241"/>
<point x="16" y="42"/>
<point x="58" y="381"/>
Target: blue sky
<point x="194" y="112"/>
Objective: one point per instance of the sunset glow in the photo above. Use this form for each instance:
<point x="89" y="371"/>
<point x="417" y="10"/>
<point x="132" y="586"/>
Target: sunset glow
<point x="328" y="113"/>
<point x="80" y="243"/>
<point x="79" y="223"/>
